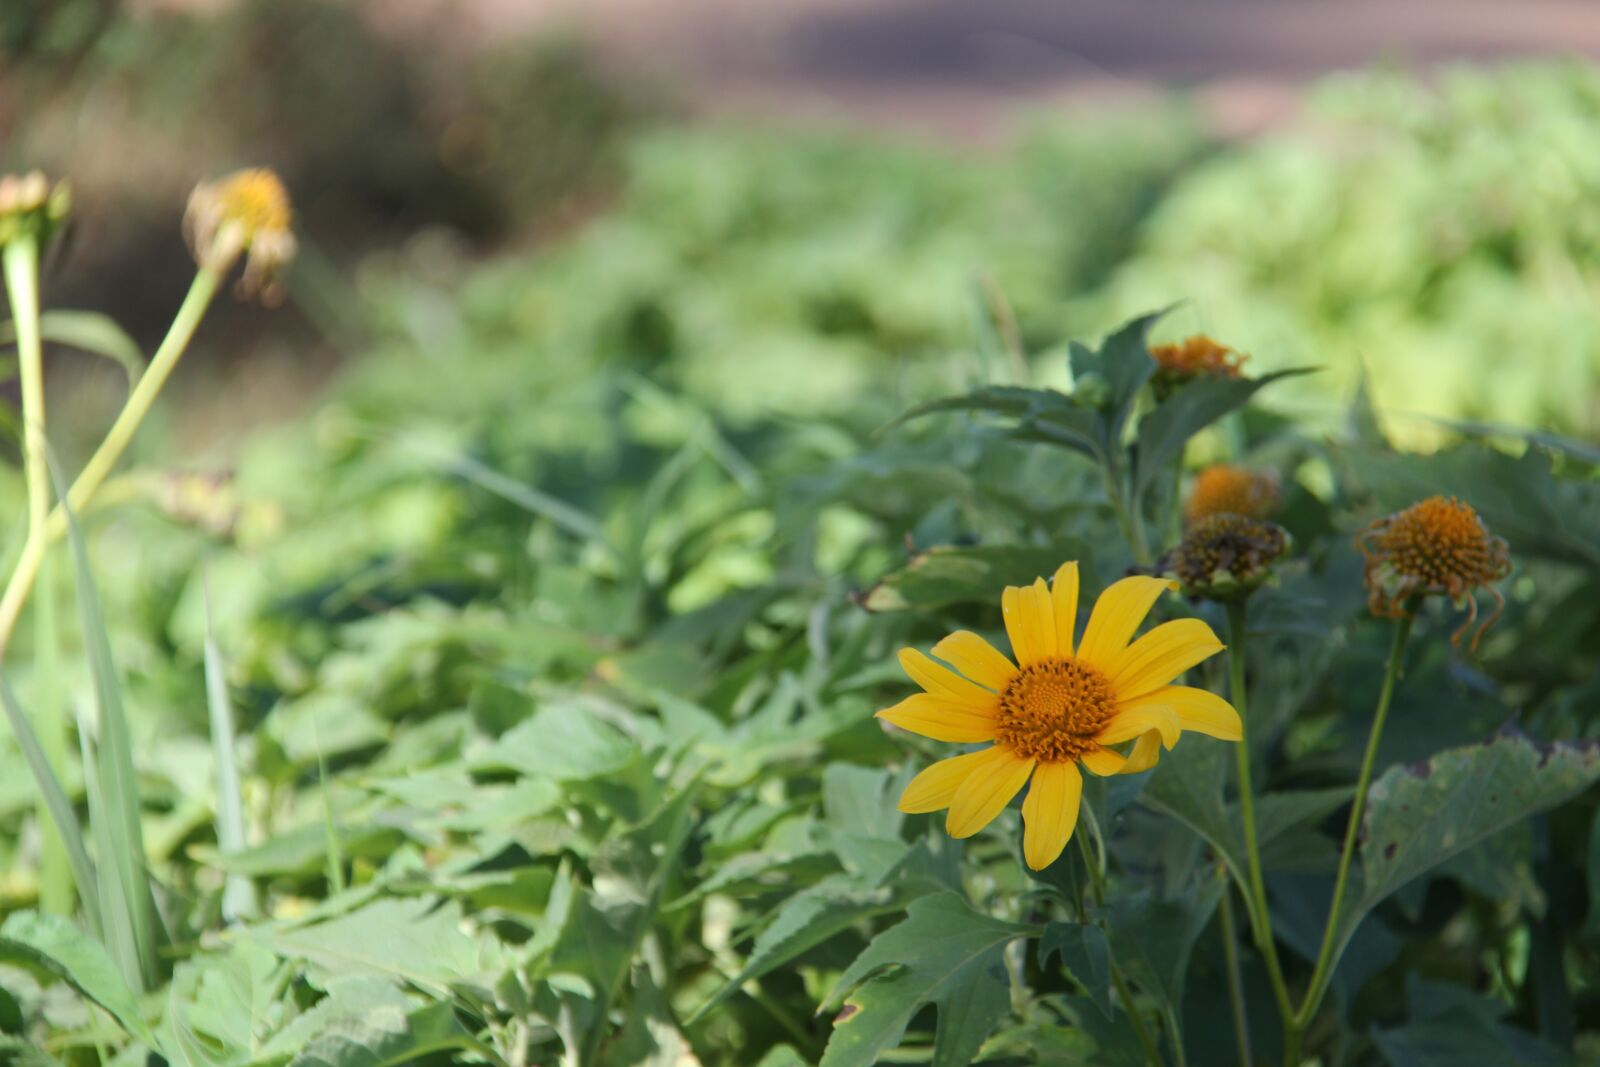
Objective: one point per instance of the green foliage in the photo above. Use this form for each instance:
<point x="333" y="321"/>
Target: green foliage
<point x="523" y="714"/>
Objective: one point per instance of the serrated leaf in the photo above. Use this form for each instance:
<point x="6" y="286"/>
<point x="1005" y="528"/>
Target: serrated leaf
<point x="944" y="954"/>
<point x="53" y="944"/>
<point x="386" y="1035"/>
<point x="1153" y="938"/>
<point x="1422" y="814"/>
<point x="1191" y="408"/>
<point x="947" y="574"/>
<point x="1086" y="955"/>
<point x="410" y="940"/>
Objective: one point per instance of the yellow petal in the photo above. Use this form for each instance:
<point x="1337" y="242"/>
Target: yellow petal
<point x="1117" y="614"/>
<point x="1030" y="622"/>
<point x="977" y="659"/>
<point x="1050" y="812"/>
<point x="988" y="789"/>
<point x="1103" y="761"/>
<point x="1064" y="601"/>
<point x="942" y="681"/>
<point x="1160" y="656"/>
<point x="1146" y="751"/>
<point x="1197" y="710"/>
<point x="935" y="786"/>
<point x="942" y="720"/>
<point x="1130" y="722"/>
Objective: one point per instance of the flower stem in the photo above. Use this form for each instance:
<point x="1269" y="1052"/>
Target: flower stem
<point x="133" y="413"/>
<point x="1127" y="517"/>
<point x="1326" y="958"/>
<point x="1097" y="879"/>
<point x="1256" y="894"/>
<point x="1230" y="955"/>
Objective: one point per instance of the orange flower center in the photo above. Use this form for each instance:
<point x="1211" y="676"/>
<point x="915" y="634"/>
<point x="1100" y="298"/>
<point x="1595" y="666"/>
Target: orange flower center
<point x="1234" y="490"/>
<point x="1441" y="544"/>
<point x="1196" y="356"/>
<point x="1052" y="710"/>
<point x="256" y="200"/>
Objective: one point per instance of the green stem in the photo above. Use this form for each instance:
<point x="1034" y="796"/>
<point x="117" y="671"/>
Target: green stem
<point x="1127" y="518"/>
<point x="1230" y="955"/>
<point x="22" y="289"/>
<point x="1175" y="1032"/>
<point x="1256" y="891"/>
<point x="1097" y="879"/>
<point x="1326" y="957"/>
<point x="111" y="449"/>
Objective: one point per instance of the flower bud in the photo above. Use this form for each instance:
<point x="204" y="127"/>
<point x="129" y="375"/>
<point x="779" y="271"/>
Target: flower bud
<point x="29" y="204"/>
<point x="247" y="212"/>
<point x="1091" y="390"/>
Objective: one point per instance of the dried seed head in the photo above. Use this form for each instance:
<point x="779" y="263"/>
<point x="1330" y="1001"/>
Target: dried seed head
<point x="1196" y="357"/>
<point x="29" y="204"/>
<point x="1221" y="489"/>
<point x="1225" y="556"/>
<point x="246" y="212"/>
<point x="1436" y="547"/>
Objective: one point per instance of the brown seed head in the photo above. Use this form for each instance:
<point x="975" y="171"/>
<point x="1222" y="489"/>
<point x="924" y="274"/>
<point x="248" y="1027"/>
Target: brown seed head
<point x="1225" y="556"/>
<point x="1436" y="547"/>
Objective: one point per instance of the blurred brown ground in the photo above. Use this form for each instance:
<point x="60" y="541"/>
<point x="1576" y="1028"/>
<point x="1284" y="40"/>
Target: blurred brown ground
<point x="962" y="68"/>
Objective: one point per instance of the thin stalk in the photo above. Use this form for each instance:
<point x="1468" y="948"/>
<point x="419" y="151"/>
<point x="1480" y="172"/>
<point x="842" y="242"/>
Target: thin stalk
<point x="105" y="458"/>
<point x="22" y="289"/>
<point x="1127" y="518"/>
<point x="1256" y="897"/>
<point x="1097" y="881"/>
<point x="1230" y="955"/>
<point x="1169" y="1016"/>
<point x="1323" y="973"/>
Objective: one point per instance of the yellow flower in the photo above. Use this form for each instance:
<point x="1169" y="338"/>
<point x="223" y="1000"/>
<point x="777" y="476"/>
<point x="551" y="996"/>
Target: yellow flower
<point x="1062" y="704"/>
<point x="246" y="212"/>
<point x="1223" y="488"/>
<point x="1196" y="357"/>
<point x="1436" y="547"/>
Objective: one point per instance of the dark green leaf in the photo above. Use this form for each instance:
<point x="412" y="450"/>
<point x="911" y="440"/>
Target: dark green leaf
<point x="1152" y="938"/>
<point x="945" y="954"/>
<point x="1085" y="954"/>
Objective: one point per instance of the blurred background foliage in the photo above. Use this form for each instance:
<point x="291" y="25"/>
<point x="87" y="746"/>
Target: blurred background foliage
<point x="605" y="441"/>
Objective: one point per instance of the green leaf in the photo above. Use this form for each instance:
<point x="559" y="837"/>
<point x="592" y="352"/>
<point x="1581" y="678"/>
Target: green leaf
<point x="17" y="1052"/>
<point x="55" y="799"/>
<point x="946" y="575"/>
<point x="1187" y="785"/>
<point x="562" y="742"/>
<point x="944" y="954"/>
<point x="1123" y="360"/>
<point x="1191" y="408"/>
<point x="1040" y="414"/>
<point x="1420" y="815"/>
<point x="410" y="940"/>
<point x="1153" y="938"/>
<point x="89" y="331"/>
<point x="386" y="1036"/>
<point x="1086" y="955"/>
<point x="53" y="944"/>
<point x="239" y="894"/>
<point x="802" y="922"/>
<point x="128" y="915"/>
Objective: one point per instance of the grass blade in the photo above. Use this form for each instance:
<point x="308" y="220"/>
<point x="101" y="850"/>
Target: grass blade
<point x="118" y="833"/>
<point x="55" y="801"/>
<point x="239" y="893"/>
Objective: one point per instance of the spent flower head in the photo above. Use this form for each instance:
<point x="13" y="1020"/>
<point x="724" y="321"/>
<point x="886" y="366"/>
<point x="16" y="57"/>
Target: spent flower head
<point x="1062" y="705"/>
<point x="1225" y="556"/>
<point x="1223" y="488"/>
<point x="1195" y="357"/>
<point x="30" y="204"/>
<point x="247" y="212"/>
<point x="1436" y="547"/>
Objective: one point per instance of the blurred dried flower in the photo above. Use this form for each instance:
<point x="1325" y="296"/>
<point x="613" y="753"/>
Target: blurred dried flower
<point x="1195" y="357"/>
<point x="246" y="212"/>
<point x="1222" y="488"/>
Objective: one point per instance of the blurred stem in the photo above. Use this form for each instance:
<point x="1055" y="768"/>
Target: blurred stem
<point x="133" y="413"/>
<point x="1230" y="955"/>
<point x="1127" y="518"/>
<point x="22" y="289"/>
<point x="1097" y="880"/>
<point x="1323" y="973"/>
<point x="1256" y="897"/>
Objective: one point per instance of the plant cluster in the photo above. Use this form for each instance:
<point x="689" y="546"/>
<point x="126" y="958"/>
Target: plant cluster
<point x="546" y="697"/>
